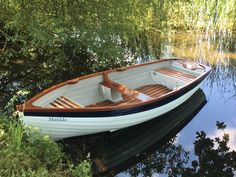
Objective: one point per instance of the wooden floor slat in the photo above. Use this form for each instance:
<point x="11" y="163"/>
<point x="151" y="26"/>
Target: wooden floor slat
<point x="154" y="91"/>
<point x="177" y="74"/>
<point x="63" y="102"/>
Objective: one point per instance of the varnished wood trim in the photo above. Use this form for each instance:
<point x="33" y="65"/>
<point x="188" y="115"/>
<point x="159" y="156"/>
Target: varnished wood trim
<point x="180" y="73"/>
<point x="71" y="102"/>
<point x="56" y="105"/>
<point x="61" y="104"/>
<point x="73" y="81"/>
<point x="123" y="89"/>
<point x="66" y="103"/>
<point x="154" y="90"/>
<point x="177" y="74"/>
<point x="121" y="69"/>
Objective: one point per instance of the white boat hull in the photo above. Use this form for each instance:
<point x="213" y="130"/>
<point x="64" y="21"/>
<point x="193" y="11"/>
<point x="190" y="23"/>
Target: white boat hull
<point x="63" y="127"/>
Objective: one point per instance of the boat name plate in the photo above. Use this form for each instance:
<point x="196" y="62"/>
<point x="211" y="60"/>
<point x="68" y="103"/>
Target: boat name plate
<point x="57" y="119"/>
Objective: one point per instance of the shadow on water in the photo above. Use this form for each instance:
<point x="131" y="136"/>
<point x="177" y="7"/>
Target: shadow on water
<point x="112" y="153"/>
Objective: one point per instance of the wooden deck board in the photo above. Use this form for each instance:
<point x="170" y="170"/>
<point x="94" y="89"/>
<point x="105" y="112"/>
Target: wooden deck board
<point x="177" y="74"/>
<point x="150" y="90"/>
<point x="63" y="102"/>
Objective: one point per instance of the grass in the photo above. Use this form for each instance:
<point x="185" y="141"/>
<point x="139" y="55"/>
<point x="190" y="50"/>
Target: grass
<point x="27" y="152"/>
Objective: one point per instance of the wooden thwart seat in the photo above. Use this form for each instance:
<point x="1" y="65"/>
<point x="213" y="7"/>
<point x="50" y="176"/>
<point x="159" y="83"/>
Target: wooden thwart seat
<point x="177" y="74"/>
<point x="153" y="91"/>
<point x="131" y="96"/>
<point x="124" y="90"/>
<point x="63" y="102"/>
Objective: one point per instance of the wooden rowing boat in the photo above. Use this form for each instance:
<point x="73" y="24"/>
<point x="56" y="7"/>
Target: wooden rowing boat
<point x="113" y="99"/>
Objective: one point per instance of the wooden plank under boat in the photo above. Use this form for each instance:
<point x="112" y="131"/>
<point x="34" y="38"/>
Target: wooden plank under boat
<point x="113" y="99"/>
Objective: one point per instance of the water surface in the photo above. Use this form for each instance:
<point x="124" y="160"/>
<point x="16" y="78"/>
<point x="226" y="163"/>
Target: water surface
<point x="219" y="51"/>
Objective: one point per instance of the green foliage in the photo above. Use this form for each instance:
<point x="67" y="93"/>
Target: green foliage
<point x="82" y="169"/>
<point x="48" y="156"/>
<point x="15" y="132"/>
<point x="19" y="97"/>
<point x="27" y="152"/>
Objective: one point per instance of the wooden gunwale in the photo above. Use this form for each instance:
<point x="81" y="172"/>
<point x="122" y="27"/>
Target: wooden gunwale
<point x="29" y="107"/>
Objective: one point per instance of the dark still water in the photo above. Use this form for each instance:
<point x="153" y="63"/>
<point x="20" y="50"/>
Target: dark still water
<point x="168" y="145"/>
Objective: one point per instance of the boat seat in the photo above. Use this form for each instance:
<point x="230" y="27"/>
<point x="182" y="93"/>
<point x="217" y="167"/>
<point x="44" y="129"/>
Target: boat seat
<point x="123" y="89"/>
<point x="177" y="74"/>
<point x="154" y="91"/>
<point x="63" y="102"/>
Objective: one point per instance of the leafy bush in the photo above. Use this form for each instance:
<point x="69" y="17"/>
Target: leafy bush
<point x="26" y="152"/>
<point x="82" y="169"/>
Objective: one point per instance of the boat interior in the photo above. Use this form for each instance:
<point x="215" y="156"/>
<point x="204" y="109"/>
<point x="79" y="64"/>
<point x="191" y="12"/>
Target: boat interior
<point x="123" y="86"/>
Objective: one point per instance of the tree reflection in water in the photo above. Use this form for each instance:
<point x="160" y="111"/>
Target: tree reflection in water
<point x="214" y="159"/>
<point x="150" y="148"/>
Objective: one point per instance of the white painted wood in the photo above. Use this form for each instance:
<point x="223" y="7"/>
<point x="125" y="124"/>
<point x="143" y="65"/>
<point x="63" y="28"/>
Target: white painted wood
<point x="83" y="93"/>
<point x="137" y="77"/>
<point x="110" y="94"/>
<point x="170" y="82"/>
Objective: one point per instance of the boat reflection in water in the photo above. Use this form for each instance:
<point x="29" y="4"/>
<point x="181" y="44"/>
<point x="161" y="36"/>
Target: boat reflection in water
<point x="115" y="152"/>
